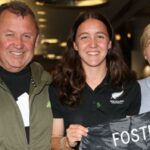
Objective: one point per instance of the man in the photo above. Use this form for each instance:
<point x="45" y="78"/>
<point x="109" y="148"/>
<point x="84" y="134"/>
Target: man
<point x="25" y="110"/>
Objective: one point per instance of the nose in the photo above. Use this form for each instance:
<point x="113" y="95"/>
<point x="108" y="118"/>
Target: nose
<point x="18" y="42"/>
<point x="93" y="42"/>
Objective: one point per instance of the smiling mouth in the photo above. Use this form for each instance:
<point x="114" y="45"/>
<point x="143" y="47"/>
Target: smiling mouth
<point x="17" y="53"/>
<point x="93" y="53"/>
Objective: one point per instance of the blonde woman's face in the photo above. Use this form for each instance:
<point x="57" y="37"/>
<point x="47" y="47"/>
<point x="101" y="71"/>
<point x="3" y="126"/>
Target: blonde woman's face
<point x="147" y="52"/>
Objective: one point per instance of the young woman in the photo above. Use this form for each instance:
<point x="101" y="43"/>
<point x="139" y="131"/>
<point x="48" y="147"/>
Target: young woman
<point x="93" y="83"/>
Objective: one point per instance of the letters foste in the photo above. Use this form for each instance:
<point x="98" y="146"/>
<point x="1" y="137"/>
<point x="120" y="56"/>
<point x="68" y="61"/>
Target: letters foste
<point x="124" y="134"/>
<point x="133" y="136"/>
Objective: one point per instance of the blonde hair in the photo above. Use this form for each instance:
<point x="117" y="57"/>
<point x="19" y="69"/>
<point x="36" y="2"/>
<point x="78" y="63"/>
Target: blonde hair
<point x="145" y="38"/>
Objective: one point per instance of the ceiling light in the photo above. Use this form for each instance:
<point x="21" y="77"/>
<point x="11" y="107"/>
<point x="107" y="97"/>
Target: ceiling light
<point x="42" y="20"/>
<point x="40" y="12"/>
<point x="118" y="37"/>
<point x="51" y="56"/>
<point x="58" y="57"/>
<point x="74" y="3"/>
<point x="42" y="26"/>
<point x="89" y="2"/>
<point x="129" y="35"/>
<point x="39" y="3"/>
<point x="50" y="41"/>
<point x="63" y="44"/>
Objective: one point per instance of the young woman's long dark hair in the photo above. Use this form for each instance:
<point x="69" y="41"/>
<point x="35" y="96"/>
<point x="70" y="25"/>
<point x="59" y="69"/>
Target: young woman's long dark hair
<point x="70" y="77"/>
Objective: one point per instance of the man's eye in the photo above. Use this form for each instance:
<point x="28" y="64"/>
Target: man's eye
<point x="27" y="36"/>
<point x="9" y="34"/>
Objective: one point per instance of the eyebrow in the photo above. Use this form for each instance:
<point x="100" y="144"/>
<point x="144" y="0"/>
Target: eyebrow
<point x="83" y="33"/>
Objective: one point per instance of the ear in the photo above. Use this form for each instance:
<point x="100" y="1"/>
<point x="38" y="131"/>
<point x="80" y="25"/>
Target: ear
<point x="37" y="41"/>
<point x="75" y="46"/>
<point x="144" y="53"/>
<point x="145" y="57"/>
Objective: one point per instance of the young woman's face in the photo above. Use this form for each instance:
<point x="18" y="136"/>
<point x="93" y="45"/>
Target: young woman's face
<point x="92" y="43"/>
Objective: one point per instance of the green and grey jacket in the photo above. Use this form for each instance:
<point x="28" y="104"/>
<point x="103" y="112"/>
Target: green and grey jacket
<point x="12" y="131"/>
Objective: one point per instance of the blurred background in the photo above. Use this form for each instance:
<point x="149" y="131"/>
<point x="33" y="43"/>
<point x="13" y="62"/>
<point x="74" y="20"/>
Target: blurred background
<point x="55" y="18"/>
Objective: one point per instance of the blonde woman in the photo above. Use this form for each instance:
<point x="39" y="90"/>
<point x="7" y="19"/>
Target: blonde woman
<point x="145" y="83"/>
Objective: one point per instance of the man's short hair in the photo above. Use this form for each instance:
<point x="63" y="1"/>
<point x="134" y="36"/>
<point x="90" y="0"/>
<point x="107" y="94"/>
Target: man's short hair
<point x="20" y="9"/>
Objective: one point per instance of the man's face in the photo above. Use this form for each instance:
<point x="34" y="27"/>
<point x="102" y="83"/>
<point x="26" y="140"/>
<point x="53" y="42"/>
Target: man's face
<point x="18" y="36"/>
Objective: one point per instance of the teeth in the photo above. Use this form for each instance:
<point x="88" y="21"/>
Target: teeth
<point x="93" y="53"/>
<point x="17" y="53"/>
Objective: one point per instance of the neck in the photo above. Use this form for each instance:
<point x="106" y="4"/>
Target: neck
<point x="95" y="76"/>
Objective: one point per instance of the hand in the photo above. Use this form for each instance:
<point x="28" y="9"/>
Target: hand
<point x="75" y="133"/>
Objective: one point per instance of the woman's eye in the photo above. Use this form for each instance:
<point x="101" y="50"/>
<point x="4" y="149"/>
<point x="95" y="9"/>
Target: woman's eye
<point x="101" y="36"/>
<point x="83" y="37"/>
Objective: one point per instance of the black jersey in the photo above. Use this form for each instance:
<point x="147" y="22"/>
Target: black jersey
<point x="105" y="103"/>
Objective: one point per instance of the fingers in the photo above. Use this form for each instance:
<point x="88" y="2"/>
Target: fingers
<point x="77" y="130"/>
<point x="75" y="133"/>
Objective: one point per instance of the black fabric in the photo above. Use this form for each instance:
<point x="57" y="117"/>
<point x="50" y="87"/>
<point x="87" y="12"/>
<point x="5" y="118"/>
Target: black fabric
<point x="18" y="83"/>
<point x="98" y="106"/>
<point x="131" y="133"/>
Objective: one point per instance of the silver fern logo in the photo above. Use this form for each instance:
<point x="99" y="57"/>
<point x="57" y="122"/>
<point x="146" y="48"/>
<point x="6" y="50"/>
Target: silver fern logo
<point x="115" y="98"/>
<point x="116" y="95"/>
